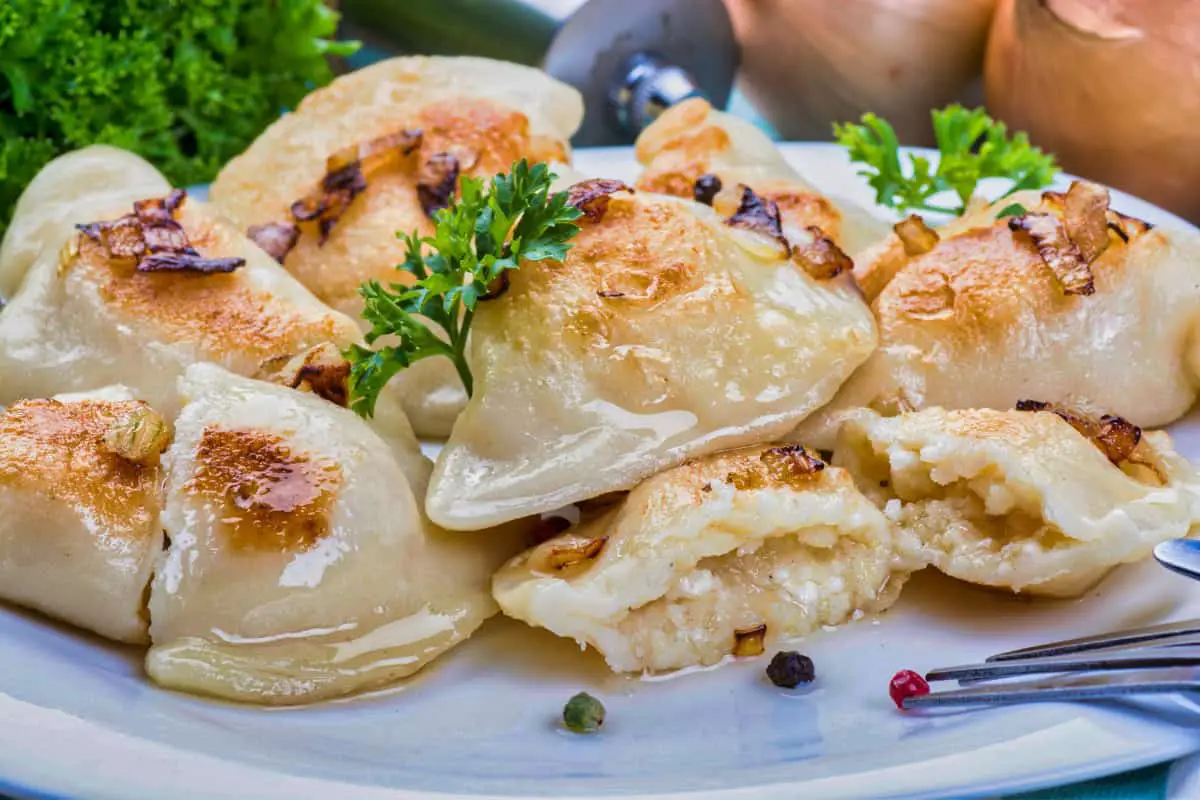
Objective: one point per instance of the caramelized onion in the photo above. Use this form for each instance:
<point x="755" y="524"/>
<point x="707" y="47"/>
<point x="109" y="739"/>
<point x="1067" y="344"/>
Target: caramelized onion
<point x="749" y="642"/>
<point x="1058" y="252"/>
<point x="917" y="237"/>
<point x="818" y="255"/>
<point x="1115" y="436"/>
<point x="591" y="196"/>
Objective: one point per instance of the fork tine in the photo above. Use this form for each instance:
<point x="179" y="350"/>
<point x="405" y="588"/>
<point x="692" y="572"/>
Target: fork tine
<point x="1064" y="687"/>
<point x="1167" y="634"/>
<point x="1123" y="660"/>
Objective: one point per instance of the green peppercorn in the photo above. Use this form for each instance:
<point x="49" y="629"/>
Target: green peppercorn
<point x="583" y="714"/>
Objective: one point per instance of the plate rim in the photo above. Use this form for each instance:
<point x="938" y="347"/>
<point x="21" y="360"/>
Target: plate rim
<point x="155" y="783"/>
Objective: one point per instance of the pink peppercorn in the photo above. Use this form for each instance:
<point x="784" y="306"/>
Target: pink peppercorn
<point x="906" y="683"/>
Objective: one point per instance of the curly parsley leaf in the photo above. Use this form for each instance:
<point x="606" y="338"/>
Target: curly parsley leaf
<point x="479" y="237"/>
<point x="971" y="145"/>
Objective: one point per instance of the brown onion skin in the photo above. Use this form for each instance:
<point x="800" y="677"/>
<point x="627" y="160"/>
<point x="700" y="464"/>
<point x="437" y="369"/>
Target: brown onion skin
<point x="1111" y="87"/>
<point x="809" y="63"/>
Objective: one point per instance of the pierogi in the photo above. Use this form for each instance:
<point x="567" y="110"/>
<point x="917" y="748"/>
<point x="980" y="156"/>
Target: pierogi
<point x="89" y="313"/>
<point x="300" y="565"/>
<point x="390" y="142"/>
<point x="97" y="182"/>
<point x="981" y="320"/>
<point x="692" y="143"/>
<point x="80" y="495"/>
<point x="726" y="555"/>
<point x="1020" y="500"/>
<point x="664" y="335"/>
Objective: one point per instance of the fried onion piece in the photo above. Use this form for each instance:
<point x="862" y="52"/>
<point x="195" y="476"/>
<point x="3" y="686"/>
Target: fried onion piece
<point x="591" y="196"/>
<point x="749" y="642"/>
<point x="1057" y="250"/>
<point x="154" y="239"/>
<point x="1115" y="436"/>
<point x="564" y="552"/>
<point x="818" y="255"/>
<point x="346" y="174"/>
<point x="321" y="370"/>
<point x="276" y="239"/>
<point x="187" y="262"/>
<point x="437" y="179"/>
<point x="917" y="237"/>
<point x="1126" y="227"/>
<point x="1085" y="215"/>
<point x="760" y="215"/>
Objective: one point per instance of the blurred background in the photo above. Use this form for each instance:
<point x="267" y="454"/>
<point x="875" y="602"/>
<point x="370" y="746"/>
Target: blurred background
<point x="1112" y="87"/>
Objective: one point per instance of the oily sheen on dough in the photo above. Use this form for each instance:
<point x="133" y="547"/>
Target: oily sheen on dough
<point x="980" y="321"/>
<point x="1018" y="500"/>
<point x="82" y="319"/>
<point x="300" y="565"/>
<point x="488" y="114"/>
<point x="79" y="524"/>
<point x="700" y="552"/>
<point x="692" y="138"/>
<point x="664" y="335"/>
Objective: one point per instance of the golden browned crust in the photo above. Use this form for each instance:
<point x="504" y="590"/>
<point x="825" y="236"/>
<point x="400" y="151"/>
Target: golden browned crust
<point x="221" y="313"/>
<point x="272" y="500"/>
<point x="642" y="251"/>
<point x="58" y="450"/>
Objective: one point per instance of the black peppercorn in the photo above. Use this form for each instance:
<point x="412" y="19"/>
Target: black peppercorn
<point x="789" y="669"/>
<point x="706" y="188"/>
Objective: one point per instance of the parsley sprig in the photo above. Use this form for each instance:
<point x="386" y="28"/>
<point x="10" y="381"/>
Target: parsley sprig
<point x="479" y="237"/>
<point x="972" y="146"/>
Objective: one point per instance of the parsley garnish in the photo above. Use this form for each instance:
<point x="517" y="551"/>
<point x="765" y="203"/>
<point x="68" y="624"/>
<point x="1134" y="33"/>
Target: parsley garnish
<point x="972" y="146"/>
<point x="478" y="238"/>
<point x="1012" y="210"/>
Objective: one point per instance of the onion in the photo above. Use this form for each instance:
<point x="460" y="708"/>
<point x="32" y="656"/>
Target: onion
<point x="809" y="63"/>
<point x="1112" y="87"/>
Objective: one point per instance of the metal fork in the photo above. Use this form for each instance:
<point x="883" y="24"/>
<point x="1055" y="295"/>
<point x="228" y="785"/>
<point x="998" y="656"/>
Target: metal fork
<point x="1163" y="659"/>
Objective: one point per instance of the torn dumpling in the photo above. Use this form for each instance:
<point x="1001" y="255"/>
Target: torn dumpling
<point x="327" y="187"/>
<point x="693" y="150"/>
<point x="300" y="566"/>
<point x="667" y="333"/>
<point x="1023" y="500"/>
<point x="94" y="183"/>
<point x="136" y="297"/>
<point x="80" y="494"/>
<point x="1046" y="295"/>
<point x="721" y="556"/>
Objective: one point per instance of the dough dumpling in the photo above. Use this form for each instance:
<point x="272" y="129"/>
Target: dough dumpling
<point x="692" y="139"/>
<point x="691" y="566"/>
<point x="97" y="182"/>
<point x="300" y="566"/>
<point x="84" y="318"/>
<point x="80" y="496"/>
<point x="981" y="321"/>
<point x="664" y="335"/>
<point x="1019" y="500"/>
<point x="478" y="114"/>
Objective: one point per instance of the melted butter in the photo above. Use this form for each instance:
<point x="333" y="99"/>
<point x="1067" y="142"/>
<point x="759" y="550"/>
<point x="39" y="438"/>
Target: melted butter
<point x="425" y="624"/>
<point x="664" y="425"/>
<point x="312" y="633"/>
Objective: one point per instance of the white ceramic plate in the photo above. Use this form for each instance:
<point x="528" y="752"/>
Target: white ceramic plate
<point x="78" y="718"/>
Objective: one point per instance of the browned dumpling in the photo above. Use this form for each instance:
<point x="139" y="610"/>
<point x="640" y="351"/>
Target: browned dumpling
<point x="996" y="309"/>
<point x="1022" y="500"/>
<point x="726" y="555"/>
<point x="80" y="493"/>
<point x="300" y="564"/>
<point x="666" y="334"/>
<point x="90" y="313"/>
<point x="97" y="182"/>
<point x="691" y="143"/>
<point x="391" y="140"/>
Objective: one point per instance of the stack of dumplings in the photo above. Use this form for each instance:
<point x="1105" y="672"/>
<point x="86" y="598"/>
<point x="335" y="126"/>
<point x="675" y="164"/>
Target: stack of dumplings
<point x="737" y="411"/>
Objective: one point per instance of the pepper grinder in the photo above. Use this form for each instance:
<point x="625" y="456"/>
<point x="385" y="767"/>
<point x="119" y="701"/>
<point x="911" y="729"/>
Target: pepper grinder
<point x="630" y="59"/>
